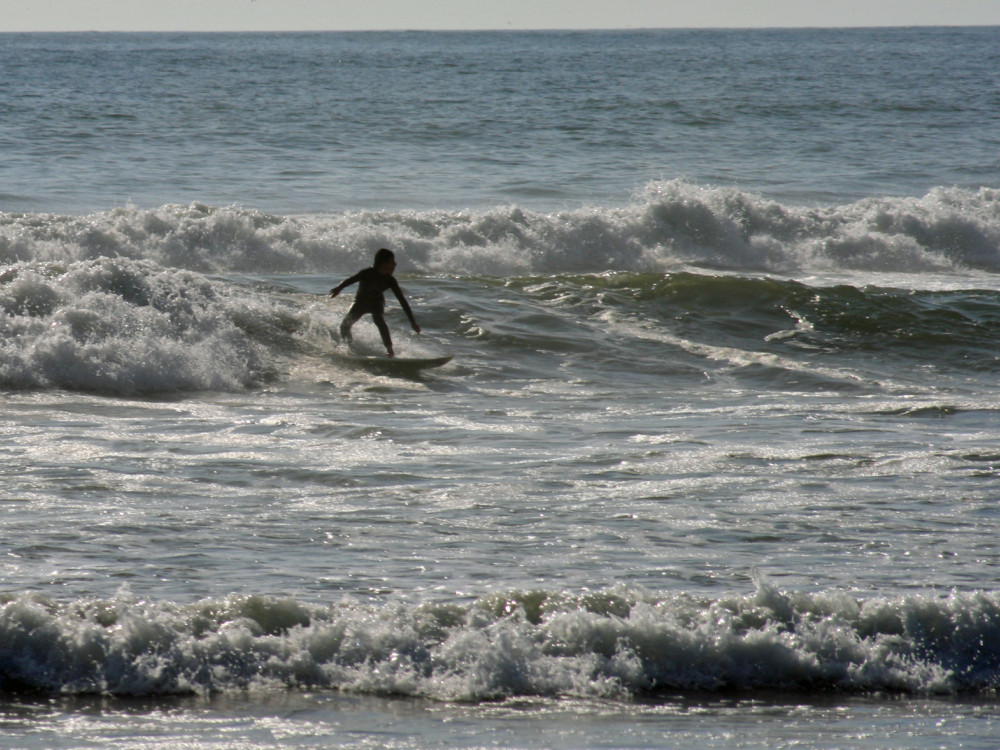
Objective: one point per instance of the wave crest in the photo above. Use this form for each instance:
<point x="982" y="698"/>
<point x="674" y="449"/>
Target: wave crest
<point x="667" y="225"/>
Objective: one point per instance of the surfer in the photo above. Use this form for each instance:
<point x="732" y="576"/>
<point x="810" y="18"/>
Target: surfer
<point x="370" y="300"/>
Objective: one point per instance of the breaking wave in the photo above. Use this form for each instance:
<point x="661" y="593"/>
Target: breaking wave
<point x="127" y="326"/>
<point x="610" y="644"/>
<point x="666" y="226"/>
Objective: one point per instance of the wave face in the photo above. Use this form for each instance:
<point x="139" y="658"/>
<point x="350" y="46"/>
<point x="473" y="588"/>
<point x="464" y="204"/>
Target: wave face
<point x="667" y="225"/>
<point x="125" y="326"/>
<point x="187" y="298"/>
<point x="781" y="315"/>
<point x="611" y="644"/>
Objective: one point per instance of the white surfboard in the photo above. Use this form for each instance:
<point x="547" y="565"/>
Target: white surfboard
<point x="373" y="358"/>
<point x="384" y="365"/>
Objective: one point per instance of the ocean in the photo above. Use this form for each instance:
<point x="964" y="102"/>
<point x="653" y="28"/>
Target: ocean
<point x="712" y="465"/>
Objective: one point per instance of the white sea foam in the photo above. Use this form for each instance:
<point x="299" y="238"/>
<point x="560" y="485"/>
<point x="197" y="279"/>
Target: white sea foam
<point x="608" y="644"/>
<point x="128" y="326"/>
<point x="667" y="225"/>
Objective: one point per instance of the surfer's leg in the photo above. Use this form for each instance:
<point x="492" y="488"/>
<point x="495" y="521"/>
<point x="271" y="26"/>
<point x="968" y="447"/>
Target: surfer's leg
<point x="347" y="323"/>
<point x="383" y="331"/>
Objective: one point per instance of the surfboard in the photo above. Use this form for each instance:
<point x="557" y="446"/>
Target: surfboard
<point x="397" y="365"/>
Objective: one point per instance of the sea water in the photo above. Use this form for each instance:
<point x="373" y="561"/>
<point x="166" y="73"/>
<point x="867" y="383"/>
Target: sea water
<point x="713" y="464"/>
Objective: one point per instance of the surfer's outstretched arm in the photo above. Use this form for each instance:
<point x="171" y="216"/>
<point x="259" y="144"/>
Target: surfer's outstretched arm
<point x="405" y="305"/>
<point x="346" y="283"/>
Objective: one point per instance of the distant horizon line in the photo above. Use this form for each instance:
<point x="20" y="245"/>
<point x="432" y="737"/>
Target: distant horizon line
<point x="504" y="30"/>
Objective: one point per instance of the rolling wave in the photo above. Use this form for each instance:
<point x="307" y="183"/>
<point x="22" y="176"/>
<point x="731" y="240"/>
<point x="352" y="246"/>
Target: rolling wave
<point x="608" y="644"/>
<point x="125" y="326"/>
<point x="666" y="226"/>
<point x="144" y="301"/>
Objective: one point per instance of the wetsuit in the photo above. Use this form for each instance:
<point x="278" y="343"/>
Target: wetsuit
<point x="370" y="300"/>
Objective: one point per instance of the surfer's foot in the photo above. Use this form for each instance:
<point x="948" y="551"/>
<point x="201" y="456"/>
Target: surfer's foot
<point x="390" y="353"/>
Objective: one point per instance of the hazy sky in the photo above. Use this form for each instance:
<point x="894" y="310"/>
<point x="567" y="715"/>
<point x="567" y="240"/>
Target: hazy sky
<point x="280" y="15"/>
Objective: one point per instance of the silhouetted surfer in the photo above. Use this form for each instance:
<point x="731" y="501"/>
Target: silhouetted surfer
<point x="370" y="300"/>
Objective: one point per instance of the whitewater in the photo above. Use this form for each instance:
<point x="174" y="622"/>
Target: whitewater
<point x="712" y="465"/>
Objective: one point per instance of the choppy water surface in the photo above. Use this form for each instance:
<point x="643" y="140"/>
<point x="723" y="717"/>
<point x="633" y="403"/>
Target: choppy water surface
<point x="713" y="464"/>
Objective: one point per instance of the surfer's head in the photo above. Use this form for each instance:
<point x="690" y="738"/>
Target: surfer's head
<point x="385" y="261"/>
